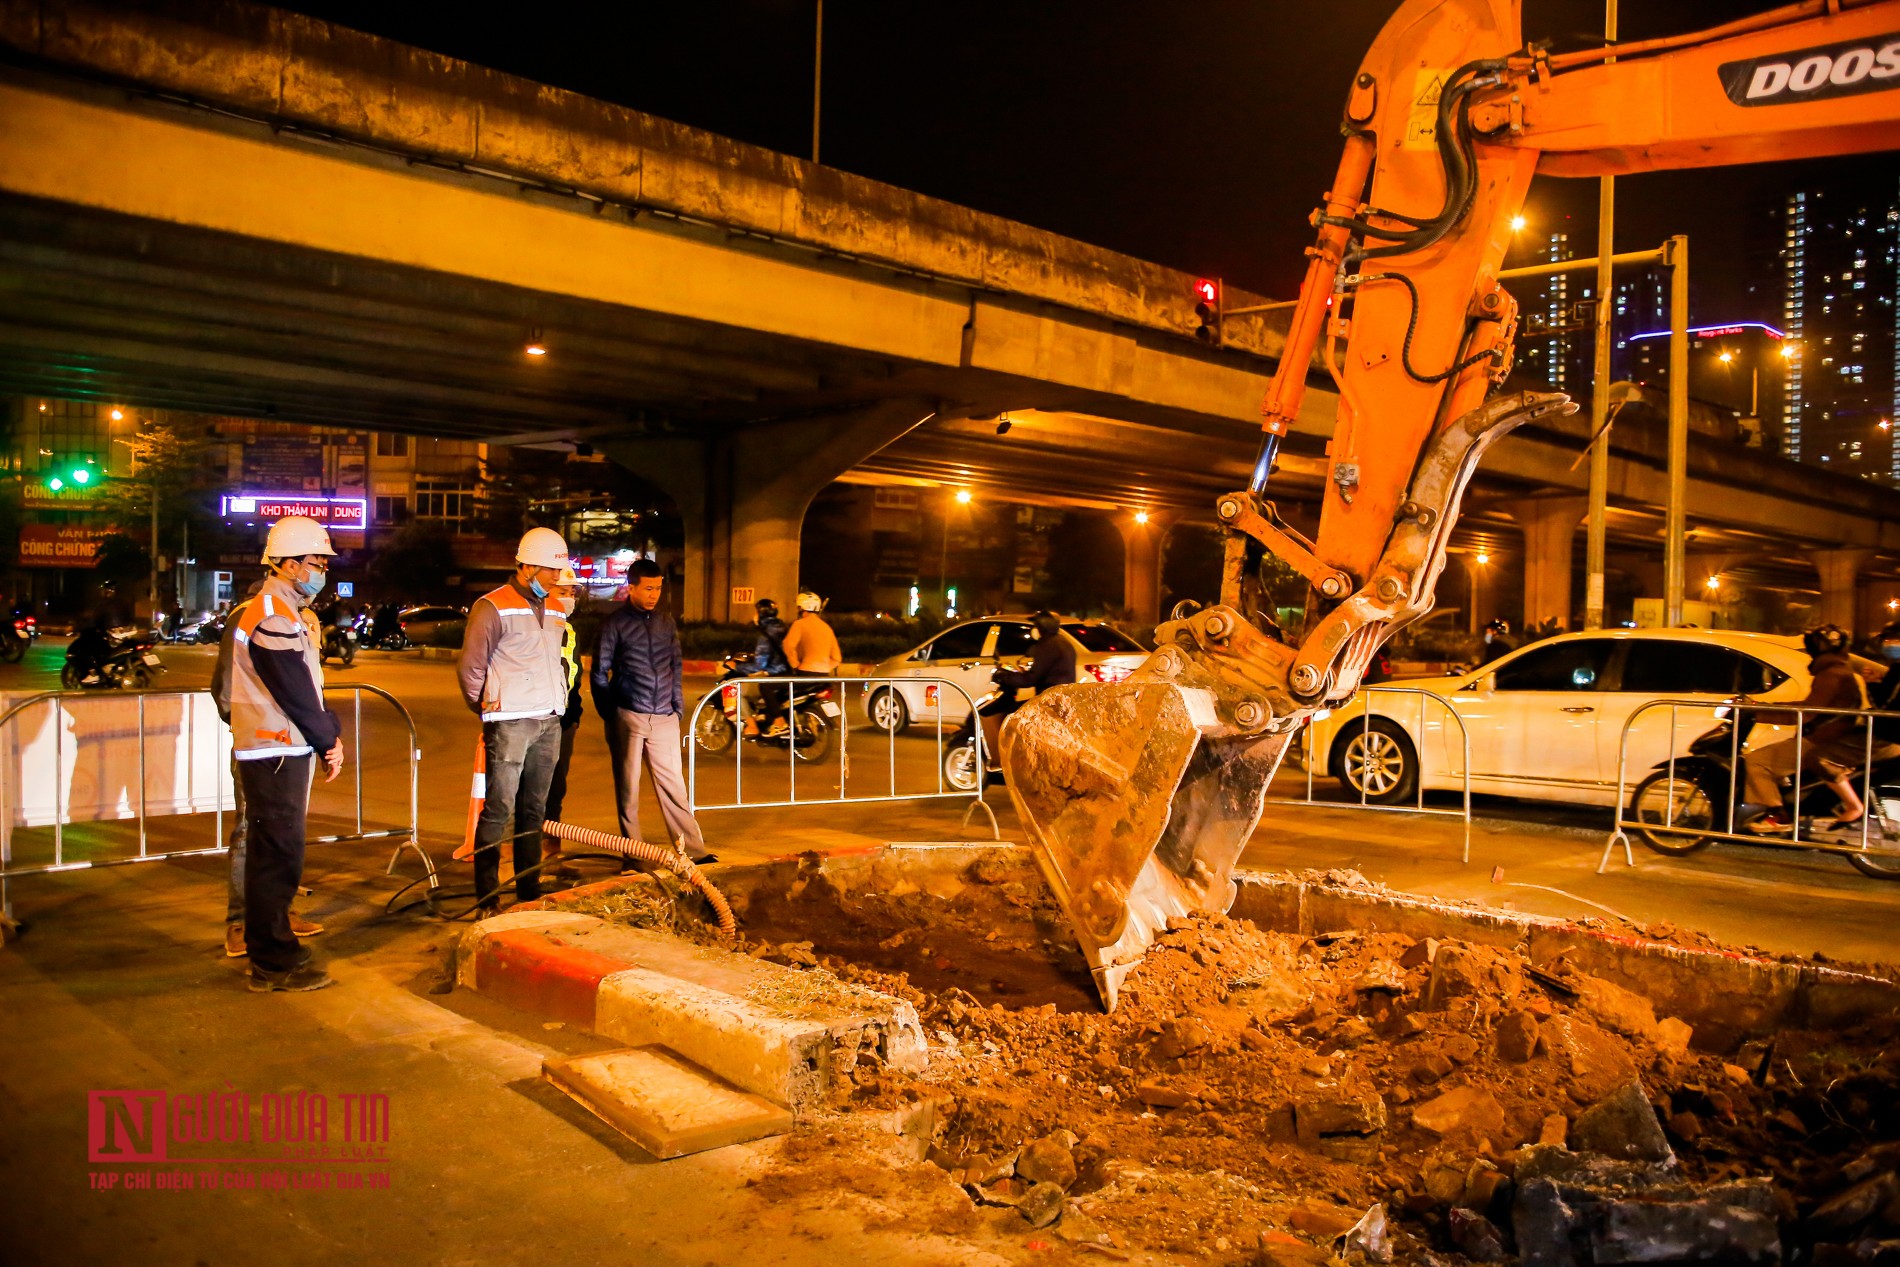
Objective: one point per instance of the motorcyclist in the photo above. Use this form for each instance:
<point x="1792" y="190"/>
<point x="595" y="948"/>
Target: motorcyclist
<point x="1051" y="663"/>
<point x="1832" y="745"/>
<point x="1497" y="640"/>
<point x="768" y="659"/>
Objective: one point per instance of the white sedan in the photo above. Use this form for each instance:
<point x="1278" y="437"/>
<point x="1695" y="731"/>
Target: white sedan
<point x="1547" y="720"/>
<point x="966" y="654"/>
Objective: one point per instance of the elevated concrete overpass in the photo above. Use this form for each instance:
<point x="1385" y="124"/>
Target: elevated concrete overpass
<point x="212" y="205"/>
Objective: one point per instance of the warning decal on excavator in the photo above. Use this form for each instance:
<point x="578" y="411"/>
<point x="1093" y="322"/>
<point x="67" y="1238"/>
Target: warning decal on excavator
<point x="1421" y="125"/>
<point x="1811" y="74"/>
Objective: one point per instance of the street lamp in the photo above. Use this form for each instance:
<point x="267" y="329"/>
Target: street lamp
<point x="1518" y="223"/>
<point x="1483" y="558"/>
<point x="1141" y="516"/>
<point x="1714" y="583"/>
<point x="963" y="497"/>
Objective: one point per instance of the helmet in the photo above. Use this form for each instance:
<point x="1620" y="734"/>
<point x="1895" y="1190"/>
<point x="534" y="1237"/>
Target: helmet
<point x="543" y="548"/>
<point x="766" y="608"/>
<point x="1890" y="634"/>
<point x="567" y="578"/>
<point x="1498" y="625"/>
<point x="810" y="602"/>
<point x="294" y="536"/>
<point x="1824" y="638"/>
<point x="1046" y="623"/>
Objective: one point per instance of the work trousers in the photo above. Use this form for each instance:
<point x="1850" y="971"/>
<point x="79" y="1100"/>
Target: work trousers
<point x="557" y="788"/>
<point x="240" y="836"/>
<point x="521" y="756"/>
<point x="652" y="740"/>
<point x="276" y="798"/>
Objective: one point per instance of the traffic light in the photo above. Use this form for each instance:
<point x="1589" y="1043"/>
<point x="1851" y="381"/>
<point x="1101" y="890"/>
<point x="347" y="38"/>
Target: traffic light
<point x="76" y="474"/>
<point x="1207" y="310"/>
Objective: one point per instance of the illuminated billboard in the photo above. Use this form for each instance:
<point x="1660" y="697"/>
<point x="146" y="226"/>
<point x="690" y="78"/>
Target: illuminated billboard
<point x="347" y="513"/>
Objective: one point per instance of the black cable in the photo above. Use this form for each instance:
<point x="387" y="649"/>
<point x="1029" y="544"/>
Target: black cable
<point x="1411" y="328"/>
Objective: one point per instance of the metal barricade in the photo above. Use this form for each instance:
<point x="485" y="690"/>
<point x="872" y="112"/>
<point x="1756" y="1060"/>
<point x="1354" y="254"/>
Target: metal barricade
<point x="197" y="708"/>
<point x="1702" y="777"/>
<point x="733" y="701"/>
<point x="1370" y="695"/>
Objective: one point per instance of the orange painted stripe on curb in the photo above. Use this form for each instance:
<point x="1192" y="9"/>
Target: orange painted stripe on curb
<point x="531" y="971"/>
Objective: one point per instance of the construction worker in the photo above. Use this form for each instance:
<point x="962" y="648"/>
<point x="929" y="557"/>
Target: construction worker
<point x="513" y="679"/>
<point x="810" y="646"/>
<point x="567" y="597"/>
<point x="240" y="832"/>
<point x="279" y="727"/>
<point x="639" y="692"/>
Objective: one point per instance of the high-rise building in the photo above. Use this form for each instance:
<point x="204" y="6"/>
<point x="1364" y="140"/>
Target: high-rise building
<point x="1545" y="345"/>
<point x="1840" y="273"/>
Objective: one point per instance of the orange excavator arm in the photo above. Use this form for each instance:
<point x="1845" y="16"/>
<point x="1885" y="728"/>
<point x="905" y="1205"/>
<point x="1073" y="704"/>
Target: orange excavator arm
<point x="1139" y="796"/>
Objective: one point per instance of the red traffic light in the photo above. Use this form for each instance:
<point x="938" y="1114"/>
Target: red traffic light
<point x="1207" y="290"/>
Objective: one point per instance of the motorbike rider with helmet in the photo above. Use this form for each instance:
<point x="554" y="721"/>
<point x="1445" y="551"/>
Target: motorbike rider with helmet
<point x="1497" y="640"/>
<point x="1833" y="745"/>
<point x="768" y="660"/>
<point x="1051" y="663"/>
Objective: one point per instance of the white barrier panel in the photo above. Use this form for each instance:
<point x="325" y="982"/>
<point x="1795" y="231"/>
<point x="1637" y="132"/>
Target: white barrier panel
<point x="82" y="756"/>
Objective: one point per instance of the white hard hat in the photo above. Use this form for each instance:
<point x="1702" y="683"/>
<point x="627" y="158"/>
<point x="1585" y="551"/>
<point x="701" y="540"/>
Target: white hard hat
<point x="810" y="602"/>
<point x="294" y="536"/>
<point x="568" y="577"/>
<point x="543" y="548"/>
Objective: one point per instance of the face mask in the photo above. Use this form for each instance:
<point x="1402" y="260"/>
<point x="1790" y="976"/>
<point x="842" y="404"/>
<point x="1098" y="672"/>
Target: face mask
<point x="1890" y="650"/>
<point x="567" y="605"/>
<point x="537" y="589"/>
<point x="312" y="585"/>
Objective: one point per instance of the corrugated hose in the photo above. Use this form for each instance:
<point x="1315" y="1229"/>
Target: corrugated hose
<point x="674" y="860"/>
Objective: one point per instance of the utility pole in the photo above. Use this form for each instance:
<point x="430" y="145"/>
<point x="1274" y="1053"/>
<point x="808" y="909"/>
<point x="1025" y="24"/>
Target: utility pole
<point x="1676" y="519"/>
<point x="818" y="78"/>
<point x="1596" y="534"/>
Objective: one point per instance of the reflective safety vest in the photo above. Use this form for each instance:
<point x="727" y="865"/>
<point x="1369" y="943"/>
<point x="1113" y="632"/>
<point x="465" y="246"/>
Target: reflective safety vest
<point x="524" y="674"/>
<point x="259" y="728"/>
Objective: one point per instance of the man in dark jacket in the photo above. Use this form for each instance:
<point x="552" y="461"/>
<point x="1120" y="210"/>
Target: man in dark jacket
<point x="1051" y="663"/>
<point x="638" y="691"/>
<point x="768" y="658"/>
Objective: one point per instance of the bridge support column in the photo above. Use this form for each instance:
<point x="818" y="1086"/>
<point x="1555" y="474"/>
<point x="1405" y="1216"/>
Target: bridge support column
<point x="1143" y="545"/>
<point x="1550" y="530"/>
<point x="1840" y="574"/>
<point x="742" y="495"/>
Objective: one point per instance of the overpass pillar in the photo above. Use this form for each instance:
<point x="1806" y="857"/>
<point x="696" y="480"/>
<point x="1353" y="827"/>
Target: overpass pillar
<point x="1143" y="545"/>
<point x="1840" y="575"/>
<point x="742" y="495"/>
<point x="1550" y="530"/>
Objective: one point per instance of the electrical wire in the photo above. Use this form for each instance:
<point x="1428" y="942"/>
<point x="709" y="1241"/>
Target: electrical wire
<point x="1411" y="328"/>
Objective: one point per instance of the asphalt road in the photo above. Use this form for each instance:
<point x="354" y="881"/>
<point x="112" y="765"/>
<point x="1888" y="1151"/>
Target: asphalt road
<point x="1525" y="855"/>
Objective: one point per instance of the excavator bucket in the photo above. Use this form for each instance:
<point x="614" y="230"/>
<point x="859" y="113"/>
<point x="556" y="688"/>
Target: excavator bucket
<point x="1139" y="796"/>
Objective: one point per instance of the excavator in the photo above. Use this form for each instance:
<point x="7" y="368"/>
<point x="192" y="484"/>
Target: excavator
<point x="1139" y="796"/>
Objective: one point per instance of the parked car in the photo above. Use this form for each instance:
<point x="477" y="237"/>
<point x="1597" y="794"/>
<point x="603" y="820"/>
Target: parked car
<point x="434" y="626"/>
<point x="967" y="653"/>
<point x="1546" y="721"/>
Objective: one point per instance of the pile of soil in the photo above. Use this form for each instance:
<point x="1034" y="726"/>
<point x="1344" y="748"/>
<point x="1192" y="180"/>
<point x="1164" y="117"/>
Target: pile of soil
<point x="1267" y="1097"/>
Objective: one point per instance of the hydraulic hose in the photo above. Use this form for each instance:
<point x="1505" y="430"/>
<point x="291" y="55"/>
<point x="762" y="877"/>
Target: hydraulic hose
<point x="672" y="859"/>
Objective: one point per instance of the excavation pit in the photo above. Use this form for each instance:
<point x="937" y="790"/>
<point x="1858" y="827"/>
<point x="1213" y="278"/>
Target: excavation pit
<point x="1273" y="1075"/>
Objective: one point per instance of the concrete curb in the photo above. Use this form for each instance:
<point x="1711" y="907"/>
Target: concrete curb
<point x="782" y="1033"/>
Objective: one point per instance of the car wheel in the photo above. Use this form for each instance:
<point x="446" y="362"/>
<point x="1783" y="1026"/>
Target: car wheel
<point x="1672" y="801"/>
<point x="1376" y="762"/>
<point x="888" y="711"/>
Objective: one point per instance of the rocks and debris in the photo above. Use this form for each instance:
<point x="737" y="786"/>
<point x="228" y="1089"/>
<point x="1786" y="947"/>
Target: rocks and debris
<point x="1256" y="1091"/>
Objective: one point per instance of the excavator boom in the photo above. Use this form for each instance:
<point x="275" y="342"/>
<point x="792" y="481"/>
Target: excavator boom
<point x="1139" y="796"/>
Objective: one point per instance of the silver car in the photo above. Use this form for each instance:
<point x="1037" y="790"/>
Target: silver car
<point x="967" y="653"/>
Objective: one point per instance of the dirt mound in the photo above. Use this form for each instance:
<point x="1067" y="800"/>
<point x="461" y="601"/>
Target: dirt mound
<point x="1267" y="1097"/>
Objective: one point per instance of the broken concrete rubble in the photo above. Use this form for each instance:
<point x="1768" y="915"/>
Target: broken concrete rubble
<point x="1573" y="1210"/>
<point x="1623" y="1126"/>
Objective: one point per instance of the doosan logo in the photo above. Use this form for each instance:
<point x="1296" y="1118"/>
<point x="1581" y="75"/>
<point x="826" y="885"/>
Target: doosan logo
<point x="1813" y="74"/>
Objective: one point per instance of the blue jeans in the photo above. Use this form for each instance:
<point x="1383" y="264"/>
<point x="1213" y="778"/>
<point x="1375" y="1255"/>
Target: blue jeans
<point x="521" y="757"/>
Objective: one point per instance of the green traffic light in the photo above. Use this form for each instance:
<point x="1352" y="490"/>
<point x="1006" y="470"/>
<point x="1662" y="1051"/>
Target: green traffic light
<point x="81" y="475"/>
<point x="56" y="483"/>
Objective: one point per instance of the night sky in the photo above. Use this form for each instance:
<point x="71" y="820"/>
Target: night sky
<point x="1197" y="135"/>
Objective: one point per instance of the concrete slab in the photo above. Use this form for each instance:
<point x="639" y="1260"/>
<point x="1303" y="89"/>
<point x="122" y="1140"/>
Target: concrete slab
<point x="783" y="1033"/>
<point x="667" y="1105"/>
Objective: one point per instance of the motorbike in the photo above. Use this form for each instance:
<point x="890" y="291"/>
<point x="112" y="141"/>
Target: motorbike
<point x="805" y="722"/>
<point x="210" y="629"/>
<point x="340" y="641"/>
<point x="1702" y="790"/>
<point x="17" y="637"/>
<point x="127" y="659"/>
<point x="959" y="749"/>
